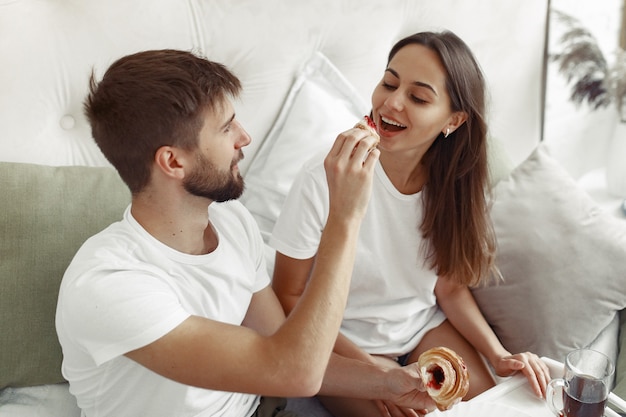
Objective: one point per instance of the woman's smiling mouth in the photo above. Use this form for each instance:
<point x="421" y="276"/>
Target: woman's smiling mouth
<point x="390" y="125"/>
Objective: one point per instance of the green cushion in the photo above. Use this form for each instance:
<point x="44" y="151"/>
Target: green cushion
<point x="46" y="213"/>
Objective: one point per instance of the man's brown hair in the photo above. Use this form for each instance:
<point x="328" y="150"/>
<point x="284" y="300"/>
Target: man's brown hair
<point x="151" y="99"/>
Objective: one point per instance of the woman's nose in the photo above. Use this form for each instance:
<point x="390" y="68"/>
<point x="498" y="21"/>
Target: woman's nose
<point x="395" y="101"/>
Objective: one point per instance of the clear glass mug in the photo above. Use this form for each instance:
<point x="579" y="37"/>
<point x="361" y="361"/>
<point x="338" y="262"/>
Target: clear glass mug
<point x="585" y="385"/>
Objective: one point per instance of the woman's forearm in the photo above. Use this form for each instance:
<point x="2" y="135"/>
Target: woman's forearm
<point x="463" y="312"/>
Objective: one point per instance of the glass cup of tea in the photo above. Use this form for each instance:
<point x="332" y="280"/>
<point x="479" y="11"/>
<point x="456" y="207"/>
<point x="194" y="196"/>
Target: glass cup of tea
<point x="585" y="385"/>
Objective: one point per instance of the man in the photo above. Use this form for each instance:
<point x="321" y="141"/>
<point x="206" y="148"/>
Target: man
<point x="169" y="312"/>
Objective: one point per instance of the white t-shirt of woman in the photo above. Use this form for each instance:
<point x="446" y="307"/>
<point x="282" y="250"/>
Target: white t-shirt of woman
<point x="391" y="304"/>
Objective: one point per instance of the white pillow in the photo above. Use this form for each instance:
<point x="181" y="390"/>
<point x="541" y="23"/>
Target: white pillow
<point x="320" y="105"/>
<point x="563" y="260"/>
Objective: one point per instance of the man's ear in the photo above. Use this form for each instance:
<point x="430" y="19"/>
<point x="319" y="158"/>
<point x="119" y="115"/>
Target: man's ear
<point x="170" y="161"/>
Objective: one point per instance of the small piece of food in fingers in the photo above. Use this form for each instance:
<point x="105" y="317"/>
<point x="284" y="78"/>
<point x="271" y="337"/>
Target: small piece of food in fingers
<point x="445" y="376"/>
<point x="366" y="123"/>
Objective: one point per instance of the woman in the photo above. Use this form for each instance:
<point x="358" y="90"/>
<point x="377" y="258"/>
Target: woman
<point x="426" y="237"/>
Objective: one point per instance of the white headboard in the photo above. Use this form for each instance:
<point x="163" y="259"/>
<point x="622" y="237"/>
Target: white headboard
<point x="48" y="48"/>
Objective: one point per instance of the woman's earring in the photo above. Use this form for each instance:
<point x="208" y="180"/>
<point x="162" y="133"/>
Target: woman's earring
<point x="447" y="132"/>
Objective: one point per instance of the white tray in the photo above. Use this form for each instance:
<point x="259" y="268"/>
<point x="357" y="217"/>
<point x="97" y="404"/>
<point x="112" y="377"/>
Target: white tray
<point x="515" y="392"/>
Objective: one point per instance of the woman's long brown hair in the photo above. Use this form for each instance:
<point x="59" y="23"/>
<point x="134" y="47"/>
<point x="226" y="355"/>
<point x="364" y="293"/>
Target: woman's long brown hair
<point x="456" y="224"/>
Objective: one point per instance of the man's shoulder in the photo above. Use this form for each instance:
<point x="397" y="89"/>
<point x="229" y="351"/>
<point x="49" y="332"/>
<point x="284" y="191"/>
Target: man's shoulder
<point x="115" y="241"/>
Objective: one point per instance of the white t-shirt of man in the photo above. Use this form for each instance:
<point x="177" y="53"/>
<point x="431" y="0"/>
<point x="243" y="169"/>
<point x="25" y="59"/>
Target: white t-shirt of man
<point x="391" y="304"/>
<point x="125" y="289"/>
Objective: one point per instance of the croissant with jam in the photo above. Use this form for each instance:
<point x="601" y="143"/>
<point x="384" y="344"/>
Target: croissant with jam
<point x="445" y="376"/>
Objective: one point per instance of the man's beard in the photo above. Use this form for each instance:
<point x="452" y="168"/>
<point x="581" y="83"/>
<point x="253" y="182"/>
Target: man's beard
<point x="207" y="181"/>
